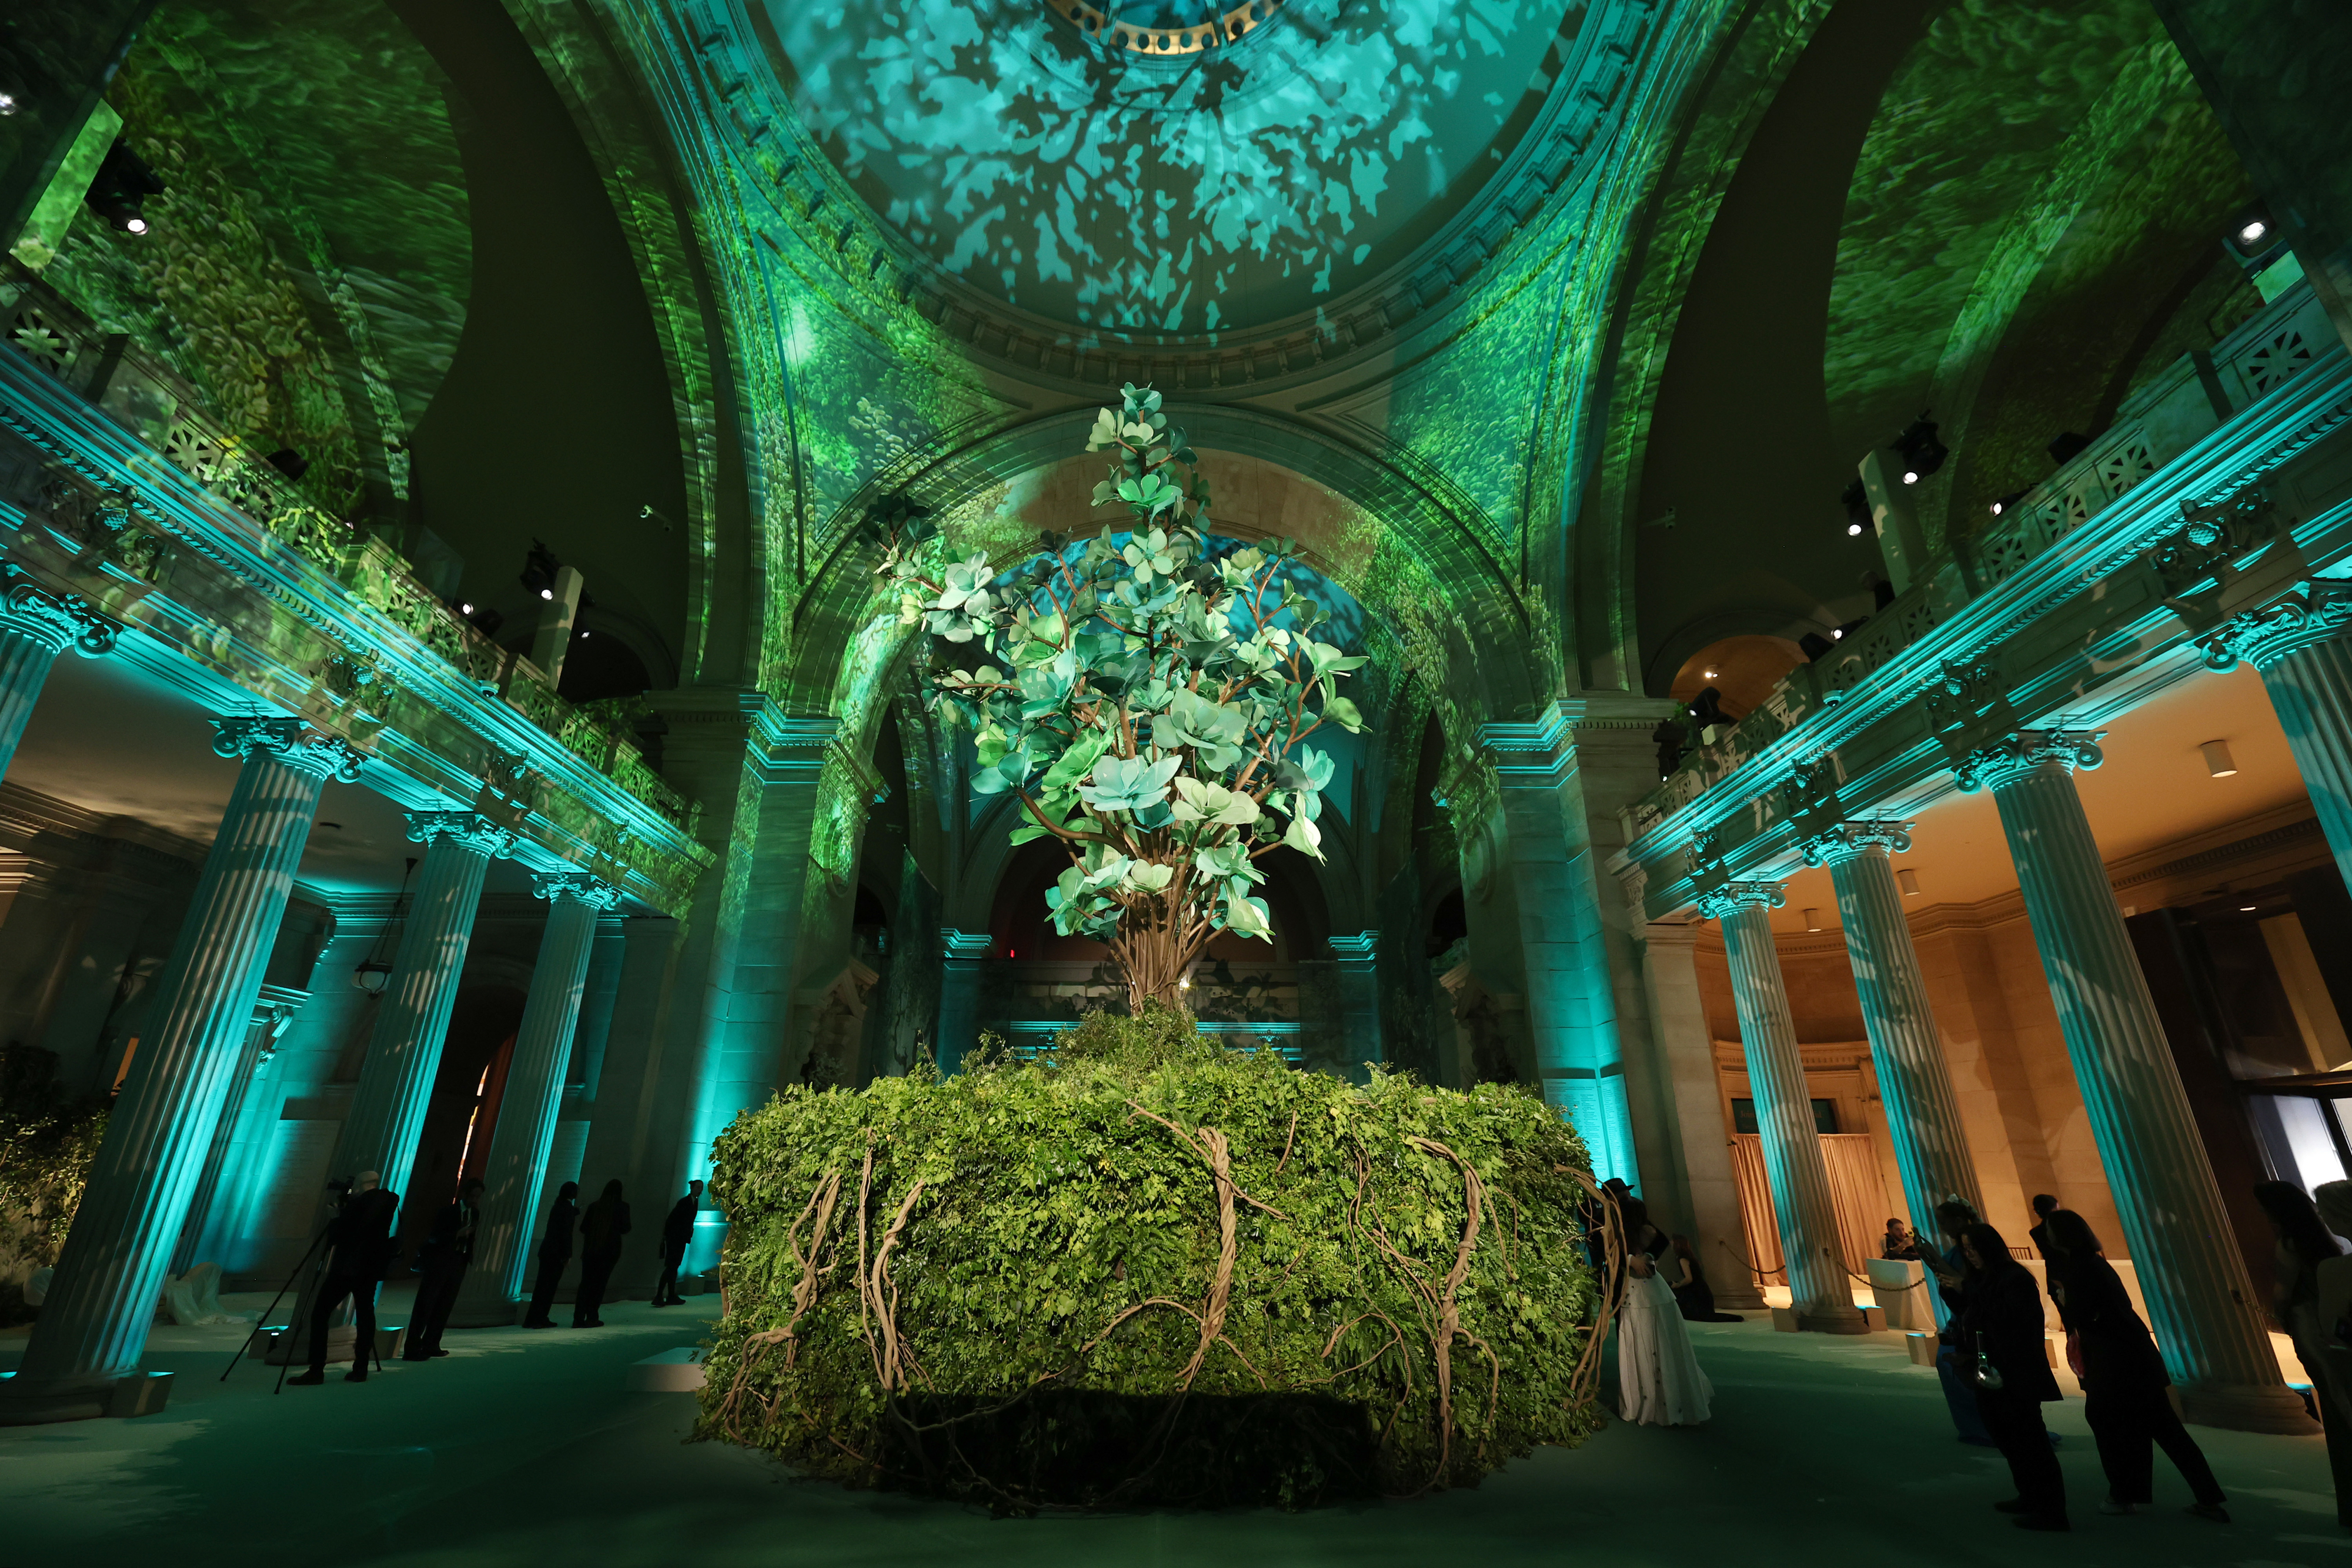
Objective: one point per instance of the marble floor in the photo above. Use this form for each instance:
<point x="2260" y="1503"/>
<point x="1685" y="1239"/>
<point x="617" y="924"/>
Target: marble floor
<point x="525" y="1449"/>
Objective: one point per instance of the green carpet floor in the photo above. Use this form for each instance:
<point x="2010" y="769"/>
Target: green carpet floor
<point x="523" y="1449"/>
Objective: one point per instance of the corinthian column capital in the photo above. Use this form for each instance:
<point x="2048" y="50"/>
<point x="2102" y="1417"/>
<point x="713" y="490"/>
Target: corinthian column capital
<point x="466" y="830"/>
<point x="2318" y="609"/>
<point x="61" y="620"/>
<point x="293" y="743"/>
<point x="576" y="885"/>
<point x="1848" y="840"/>
<point x="1733" y="896"/>
<point x="2026" y="750"/>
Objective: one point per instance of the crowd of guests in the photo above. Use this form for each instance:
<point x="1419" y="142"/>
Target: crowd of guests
<point x="1996" y="1376"/>
<point x="1992" y="1358"/>
<point x="361" y="1251"/>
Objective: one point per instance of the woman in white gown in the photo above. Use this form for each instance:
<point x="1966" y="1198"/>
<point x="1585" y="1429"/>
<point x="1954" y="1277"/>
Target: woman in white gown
<point x="1659" y="1382"/>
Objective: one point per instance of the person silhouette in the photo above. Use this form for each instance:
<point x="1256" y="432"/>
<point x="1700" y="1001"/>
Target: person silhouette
<point x="678" y="1235"/>
<point x="554" y="1252"/>
<point x="602" y="1226"/>
<point x="361" y="1237"/>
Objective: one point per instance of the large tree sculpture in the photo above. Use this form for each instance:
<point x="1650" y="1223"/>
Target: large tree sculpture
<point x="1148" y="701"/>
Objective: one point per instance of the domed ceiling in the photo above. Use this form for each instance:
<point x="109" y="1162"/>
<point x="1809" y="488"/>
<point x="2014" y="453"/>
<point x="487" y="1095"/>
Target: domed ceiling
<point x="1186" y="194"/>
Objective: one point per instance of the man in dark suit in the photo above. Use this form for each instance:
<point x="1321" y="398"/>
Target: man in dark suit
<point x="442" y="1264"/>
<point x="360" y="1239"/>
<point x="678" y="1235"/>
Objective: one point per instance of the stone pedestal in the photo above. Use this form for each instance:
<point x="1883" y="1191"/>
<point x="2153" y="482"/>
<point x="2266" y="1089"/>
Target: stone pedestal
<point x="2200" y="1300"/>
<point x="1914" y="1083"/>
<point x="1799" y="1177"/>
<point x="93" y="1325"/>
<point x="35" y="626"/>
<point x="516" y="1169"/>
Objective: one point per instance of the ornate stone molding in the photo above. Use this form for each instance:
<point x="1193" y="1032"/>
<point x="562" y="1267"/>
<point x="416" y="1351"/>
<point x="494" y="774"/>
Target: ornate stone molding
<point x="1850" y="839"/>
<point x="2210" y="539"/>
<point x="61" y="620"/>
<point x="965" y="944"/>
<point x="467" y="829"/>
<point x="292" y="742"/>
<point x="579" y="886"/>
<point x="1733" y="896"/>
<point x="2318" y="610"/>
<point x="1357" y="948"/>
<point x="2025" y="751"/>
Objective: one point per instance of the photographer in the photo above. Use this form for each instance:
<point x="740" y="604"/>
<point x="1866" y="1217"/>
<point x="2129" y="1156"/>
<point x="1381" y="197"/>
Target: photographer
<point x="360" y="1238"/>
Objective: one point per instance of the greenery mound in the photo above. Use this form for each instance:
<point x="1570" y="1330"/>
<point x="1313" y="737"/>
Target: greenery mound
<point x="1142" y="1268"/>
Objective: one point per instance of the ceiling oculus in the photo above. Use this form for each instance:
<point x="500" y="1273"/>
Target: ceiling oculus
<point x="1164" y="27"/>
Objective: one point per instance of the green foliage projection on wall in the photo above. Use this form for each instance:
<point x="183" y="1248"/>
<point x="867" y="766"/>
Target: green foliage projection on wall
<point x="1142" y="1269"/>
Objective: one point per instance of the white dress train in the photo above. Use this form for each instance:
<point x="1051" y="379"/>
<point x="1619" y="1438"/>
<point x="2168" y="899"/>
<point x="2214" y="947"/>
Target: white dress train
<point x="1659" y="1380"/>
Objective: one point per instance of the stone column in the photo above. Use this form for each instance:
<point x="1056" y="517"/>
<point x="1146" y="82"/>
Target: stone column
<point x="2303" y="647"/>
<point x="1799" y="1177"/>
<point x="35" y="626"/>
<point x="387" y="1113"/>
<point x="93" y="1327"/>
<point x="1915" y="1084"/>
<point x="217" y="1208"/>
<point x="534" y="1092"/>
<point x="1569" y="989"/>
<point x="2200" y="1300"/>
<point x="1359" y="1003"/>
<point x="412" y="1020"/>
<point x="1694" y="1093"/>
<point x="960" y="994"/>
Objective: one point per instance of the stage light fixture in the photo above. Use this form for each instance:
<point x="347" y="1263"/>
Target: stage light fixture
<point x="2247" y="908"/>
<point x="538" y="570"/>
<point x="1838" y="632"/>
<point x="2218" y="760"/>
<point x="123" y="182"/>
<point x="1813" y="644"/>
<point x="7" y="103"/>
<point x="464" y="609"/>
<point x="1856" y="499"/>
<point x="2001" y="507"/>
<point x="2253" y="232"/>
<point x="2066" y="445"/>
<point x="1921" y="452"/>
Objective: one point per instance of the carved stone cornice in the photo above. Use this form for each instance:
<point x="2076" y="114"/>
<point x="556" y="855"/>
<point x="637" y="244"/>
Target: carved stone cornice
<point x="1848" y="840"/>
<point x="2211" y="539"/>
<point x="2317" y="611"/>
<point x="61" y="620"/>
<point x="578" y="886"/>
<point x="2025" y="751"/>
<point x="292" y="742"/>
<point x="1734" y="896"/>
<point x="466" y="830"/>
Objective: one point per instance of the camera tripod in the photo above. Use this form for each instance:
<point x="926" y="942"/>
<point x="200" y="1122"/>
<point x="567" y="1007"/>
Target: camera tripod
<point x="368" y="1350"/>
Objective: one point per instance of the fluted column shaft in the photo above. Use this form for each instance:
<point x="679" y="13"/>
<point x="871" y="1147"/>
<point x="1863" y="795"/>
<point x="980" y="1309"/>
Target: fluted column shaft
<point x="1799" y="1177"/>
<point x="380" y="1131"/>
<point x="412" y="1020"/>
<point x="2200" y="1300"/>
<point x="1923" y="1114"/>
<point x="534" y="1092"/>
<point x="93" y="1327"/>
<point x="35" y="626"/>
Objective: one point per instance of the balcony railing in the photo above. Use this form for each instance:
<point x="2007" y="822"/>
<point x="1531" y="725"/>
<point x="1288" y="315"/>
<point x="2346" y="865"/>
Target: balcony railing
<point x="2192" y="397"/>
<point x="165" y="414"/>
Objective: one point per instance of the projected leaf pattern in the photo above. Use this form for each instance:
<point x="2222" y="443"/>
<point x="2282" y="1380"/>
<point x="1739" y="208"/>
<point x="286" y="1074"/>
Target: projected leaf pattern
<point x="1240" y="187"/>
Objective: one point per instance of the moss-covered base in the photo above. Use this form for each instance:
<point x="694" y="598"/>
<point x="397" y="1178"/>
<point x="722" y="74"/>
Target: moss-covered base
<point x="1143" y="1268"/>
